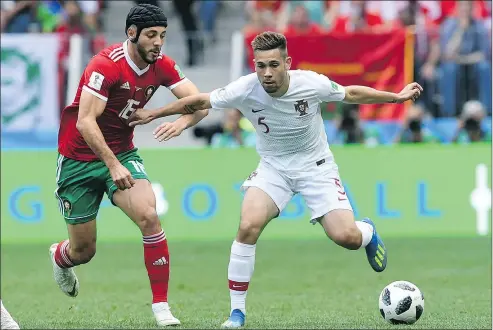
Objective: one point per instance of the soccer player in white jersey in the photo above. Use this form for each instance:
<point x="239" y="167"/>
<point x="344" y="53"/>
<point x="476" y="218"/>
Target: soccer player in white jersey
<point x="284" y="107"/>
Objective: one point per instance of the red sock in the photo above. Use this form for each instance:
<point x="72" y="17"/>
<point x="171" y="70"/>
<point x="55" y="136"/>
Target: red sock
<point x="156" y="257"/>
<point x="62" y="258"/>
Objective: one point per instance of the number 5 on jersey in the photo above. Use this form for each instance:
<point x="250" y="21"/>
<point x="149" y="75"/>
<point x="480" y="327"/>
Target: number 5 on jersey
<point x="129" y="109"/>
<point x="261" y="122"/>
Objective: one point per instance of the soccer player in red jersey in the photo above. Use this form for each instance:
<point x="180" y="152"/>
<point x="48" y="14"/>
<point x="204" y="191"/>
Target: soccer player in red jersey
<point x="97" y="155"/>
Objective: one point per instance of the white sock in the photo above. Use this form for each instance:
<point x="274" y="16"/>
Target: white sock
<point x="366" y="232"/>
<point x="240" y="270"/>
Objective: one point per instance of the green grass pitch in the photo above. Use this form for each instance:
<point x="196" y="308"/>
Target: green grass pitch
<point x="296" y="284"/>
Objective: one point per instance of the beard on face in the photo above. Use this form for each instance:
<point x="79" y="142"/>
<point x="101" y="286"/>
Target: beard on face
<point x="146" y="55"/>
<point x="270" y="88"/>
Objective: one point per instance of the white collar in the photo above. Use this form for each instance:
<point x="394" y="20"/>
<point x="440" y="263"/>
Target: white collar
<point x="131" y="63"/>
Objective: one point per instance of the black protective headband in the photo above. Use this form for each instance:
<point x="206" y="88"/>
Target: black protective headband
<point x="144" y="16"/>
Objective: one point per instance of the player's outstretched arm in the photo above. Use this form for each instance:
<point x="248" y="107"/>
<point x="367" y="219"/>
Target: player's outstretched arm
<point x="186" y="105"/>
<point x="90" y="108"/>
<point x="164" y="132"/>
<point x="175" y="128"/>
<point x="367" y="95"/>
<point x="185" y="121"/>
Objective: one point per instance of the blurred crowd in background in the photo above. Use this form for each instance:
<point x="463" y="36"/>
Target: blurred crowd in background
<point x="64" y="18"/>
<point x="452" y="61"/>
<point x="452" y="57"/>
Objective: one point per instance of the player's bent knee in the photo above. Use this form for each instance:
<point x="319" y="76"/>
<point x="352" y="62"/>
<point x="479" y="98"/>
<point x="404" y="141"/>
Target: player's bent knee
<point x="248" y="232"/>
<point x="82" y="254"/>
<point x="349" y="238"/>
<point x="148" y="221"/>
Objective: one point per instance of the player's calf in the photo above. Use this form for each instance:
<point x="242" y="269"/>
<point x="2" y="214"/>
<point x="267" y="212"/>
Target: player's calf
<point x="69" y="255"/>
<point x="139" y="204"/>
<point x="340" y="227"/>
<point x="157" y="262"/>
<point x="156" y="254"/>
<point x="82" y="254"/>
<point x="349" y="238"/>
<point x="240" y="271"/>
<point x="257" y="210"/>
<point x="79" y="249"/>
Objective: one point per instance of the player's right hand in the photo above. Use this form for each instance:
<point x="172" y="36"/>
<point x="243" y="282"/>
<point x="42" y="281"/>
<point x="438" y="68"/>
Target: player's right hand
<point x="121" y="177"/>
<point x="411" y="92"/>
<point x="168" y="130"/>
<point x="140" y="117"/>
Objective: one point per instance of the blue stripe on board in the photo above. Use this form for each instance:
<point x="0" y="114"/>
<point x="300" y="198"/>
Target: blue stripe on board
<point x="29" y="141"/>
<point x="28" y="149"/>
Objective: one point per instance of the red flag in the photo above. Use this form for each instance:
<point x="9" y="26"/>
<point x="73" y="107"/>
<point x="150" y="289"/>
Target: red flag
<point x="380" y="60"/>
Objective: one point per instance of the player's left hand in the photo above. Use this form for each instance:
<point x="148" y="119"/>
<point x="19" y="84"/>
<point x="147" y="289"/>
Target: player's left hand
<point x="140" y="117"/>
<point x="410" y="92"/>
<point x="168" y="130"/>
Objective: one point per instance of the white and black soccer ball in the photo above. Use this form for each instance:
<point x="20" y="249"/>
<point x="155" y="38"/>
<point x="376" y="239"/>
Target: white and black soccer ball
<point x="401" y="302"/>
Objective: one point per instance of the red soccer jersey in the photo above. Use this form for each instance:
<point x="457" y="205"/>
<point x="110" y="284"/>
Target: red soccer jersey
<point x="113" y="77"/>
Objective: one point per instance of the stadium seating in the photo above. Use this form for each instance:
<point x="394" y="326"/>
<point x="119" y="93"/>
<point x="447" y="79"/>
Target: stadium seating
<point x="442" y="128"/>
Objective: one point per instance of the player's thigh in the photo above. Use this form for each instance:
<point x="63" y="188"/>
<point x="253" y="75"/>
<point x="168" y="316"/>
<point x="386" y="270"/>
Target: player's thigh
<point x="138" y="202"/>
<point x="80" y="189"/>
<point x="267" y="194"/>
<point x="326" y="198"/>
<point x="258" y="208"/>
<point x="273" y="184"/>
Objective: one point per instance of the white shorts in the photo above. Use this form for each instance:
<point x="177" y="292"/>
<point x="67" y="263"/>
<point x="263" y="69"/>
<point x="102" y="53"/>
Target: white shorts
<point x="319" y="185"/>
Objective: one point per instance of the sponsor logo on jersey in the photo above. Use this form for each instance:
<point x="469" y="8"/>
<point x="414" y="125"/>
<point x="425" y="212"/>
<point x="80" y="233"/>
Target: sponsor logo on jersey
<point x="334" y="85"/>
<point x="301" y="107"/>
<point x="149" y="91"/>
<point x="96" y="80"/>
<point x="126" y="85"/>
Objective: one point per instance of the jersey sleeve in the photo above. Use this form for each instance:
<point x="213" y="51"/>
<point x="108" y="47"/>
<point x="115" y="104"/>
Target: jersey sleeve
<point x="99" y="76"/>
<point x="228" y="97"/>
<point x="328" y="90"/>
<point x="171" y="73"/>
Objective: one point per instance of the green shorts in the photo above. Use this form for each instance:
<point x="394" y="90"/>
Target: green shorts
<point x="81" y="185"/>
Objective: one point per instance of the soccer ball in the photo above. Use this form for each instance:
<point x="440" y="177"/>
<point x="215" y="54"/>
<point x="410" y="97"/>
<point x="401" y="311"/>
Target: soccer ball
<point x="401" y="302"/>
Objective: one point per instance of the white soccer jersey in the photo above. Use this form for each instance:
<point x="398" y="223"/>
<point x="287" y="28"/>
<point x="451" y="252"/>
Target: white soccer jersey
<point x="290" y="129"/>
